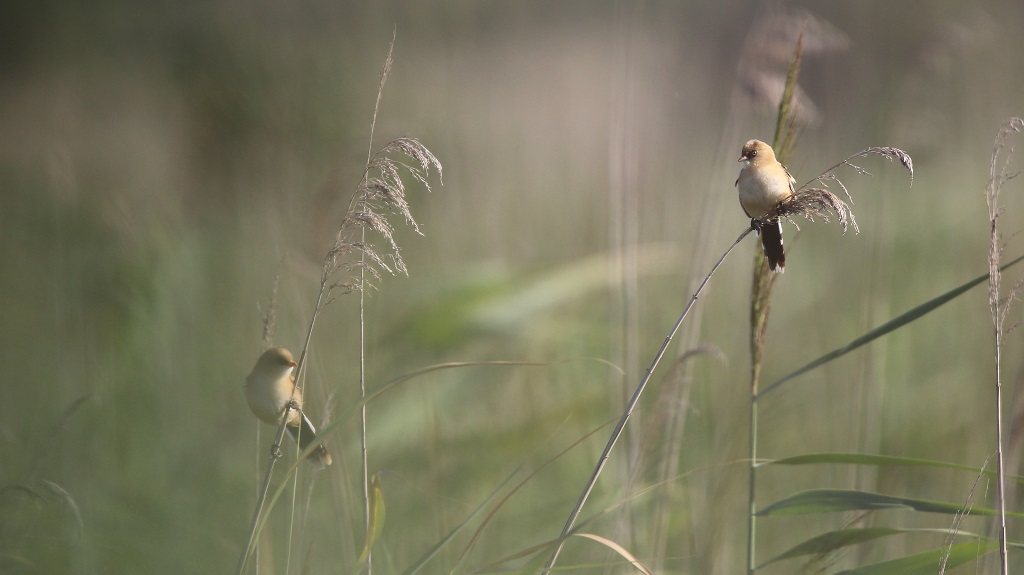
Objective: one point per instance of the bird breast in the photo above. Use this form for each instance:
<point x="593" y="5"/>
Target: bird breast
<point x="761" y="190"/>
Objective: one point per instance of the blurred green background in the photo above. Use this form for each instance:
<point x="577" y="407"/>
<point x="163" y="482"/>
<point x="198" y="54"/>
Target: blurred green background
<point x="160" y="162"/>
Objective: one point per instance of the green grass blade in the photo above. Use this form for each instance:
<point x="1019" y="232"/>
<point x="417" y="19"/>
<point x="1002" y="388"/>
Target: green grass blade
<point x="885" y="328"/>
<point x="927" y="562"/>
<point x="376" y="523"/>
<point x="872" y="459"/>
<point x="835" y="540"/>
<point x="866" y="459"/>
<point x="829" y="500"/>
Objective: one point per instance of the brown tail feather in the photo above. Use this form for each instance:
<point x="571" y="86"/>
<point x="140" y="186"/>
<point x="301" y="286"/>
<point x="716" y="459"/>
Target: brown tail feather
<point x="306" y="435"/>
<point x="771" y="239"/>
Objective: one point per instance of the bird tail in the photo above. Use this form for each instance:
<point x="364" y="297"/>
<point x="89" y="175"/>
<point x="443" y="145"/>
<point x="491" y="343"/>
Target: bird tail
<point x="305" y="434"/>
<point x="771" y="240"/>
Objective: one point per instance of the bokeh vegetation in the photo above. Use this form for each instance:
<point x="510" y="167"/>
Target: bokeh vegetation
<point x="161" y="163"/>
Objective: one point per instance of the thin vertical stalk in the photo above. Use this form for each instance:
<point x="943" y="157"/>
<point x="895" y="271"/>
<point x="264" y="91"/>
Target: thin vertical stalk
<point x="264" y="489"/>
<point x="362" y="311"/>
<point x="362" y="396"/>
<point x="752" y="488"/>
<point x="1000" y="470"/>
<point x="760" y="297"/>
<point x="999" y="306"/>
<point x="364" y="453"/>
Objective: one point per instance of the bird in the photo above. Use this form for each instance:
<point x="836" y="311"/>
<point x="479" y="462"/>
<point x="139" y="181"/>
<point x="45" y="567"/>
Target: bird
<point x="270" y="387"/>
<point x="763" y="183"/>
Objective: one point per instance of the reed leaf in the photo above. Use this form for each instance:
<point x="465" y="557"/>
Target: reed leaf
<point x="884" y="329"/>
<point x="829" y="500"/>
<point x="833" y="541"/>
<point x="872" y="459"/>
<point x="927" y="562"/>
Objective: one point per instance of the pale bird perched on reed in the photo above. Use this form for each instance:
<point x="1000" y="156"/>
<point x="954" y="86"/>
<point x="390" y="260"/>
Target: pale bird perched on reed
<point x="270" y="387"/>
<point x="763" y="183"/>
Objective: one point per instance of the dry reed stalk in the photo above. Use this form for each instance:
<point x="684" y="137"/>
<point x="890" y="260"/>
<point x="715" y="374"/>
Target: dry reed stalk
<point x="787" y="130"/>
<point x="999" y="305"/>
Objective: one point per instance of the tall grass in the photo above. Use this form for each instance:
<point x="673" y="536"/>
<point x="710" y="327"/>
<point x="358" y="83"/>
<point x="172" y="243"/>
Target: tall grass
<point x="829" y="500"/>
<point x="143" y="213"/>
<point x="763" y="281"/>
<point x="809" y="202"/>
<point x="345" y="269"/>
<point x="999" y="306"/>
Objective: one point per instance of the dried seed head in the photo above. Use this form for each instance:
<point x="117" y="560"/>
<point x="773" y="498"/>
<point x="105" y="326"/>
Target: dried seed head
<point x="815" y="202"/>
<point x="818" y="202"/>
<point x="381" y="192"/>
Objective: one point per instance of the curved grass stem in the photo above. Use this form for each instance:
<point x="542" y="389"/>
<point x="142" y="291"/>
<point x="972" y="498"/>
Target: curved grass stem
<point x="630" y="406"/>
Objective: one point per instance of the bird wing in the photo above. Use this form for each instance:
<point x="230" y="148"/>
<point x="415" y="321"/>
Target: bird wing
<point x="791" y="179"/>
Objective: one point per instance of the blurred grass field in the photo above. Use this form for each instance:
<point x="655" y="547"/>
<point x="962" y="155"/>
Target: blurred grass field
<point x="160" y="164"/>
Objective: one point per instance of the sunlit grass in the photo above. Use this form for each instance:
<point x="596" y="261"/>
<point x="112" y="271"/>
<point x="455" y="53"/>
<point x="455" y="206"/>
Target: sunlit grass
<point x="148" y="200"/>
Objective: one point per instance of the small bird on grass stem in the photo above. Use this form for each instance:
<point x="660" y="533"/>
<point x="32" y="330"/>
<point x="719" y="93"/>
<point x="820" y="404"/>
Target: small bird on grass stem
<point x="763" y="183"/>
<point x="270" y="387"/>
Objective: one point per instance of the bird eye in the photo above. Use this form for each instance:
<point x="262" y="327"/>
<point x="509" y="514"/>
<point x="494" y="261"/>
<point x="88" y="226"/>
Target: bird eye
<point x="753" y="153"/>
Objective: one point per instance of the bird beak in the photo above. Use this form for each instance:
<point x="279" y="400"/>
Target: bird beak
<point x="741" y="158"/>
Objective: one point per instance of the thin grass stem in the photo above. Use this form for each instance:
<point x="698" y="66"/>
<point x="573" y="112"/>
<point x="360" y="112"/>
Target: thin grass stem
<point x="752" y="487"/>
<point x="362" y="309"/>
<point x="630" y="406"/>
<point x="762" y="284"/>
<point x="998" y="175"/>
<point x="275" y="454"/>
